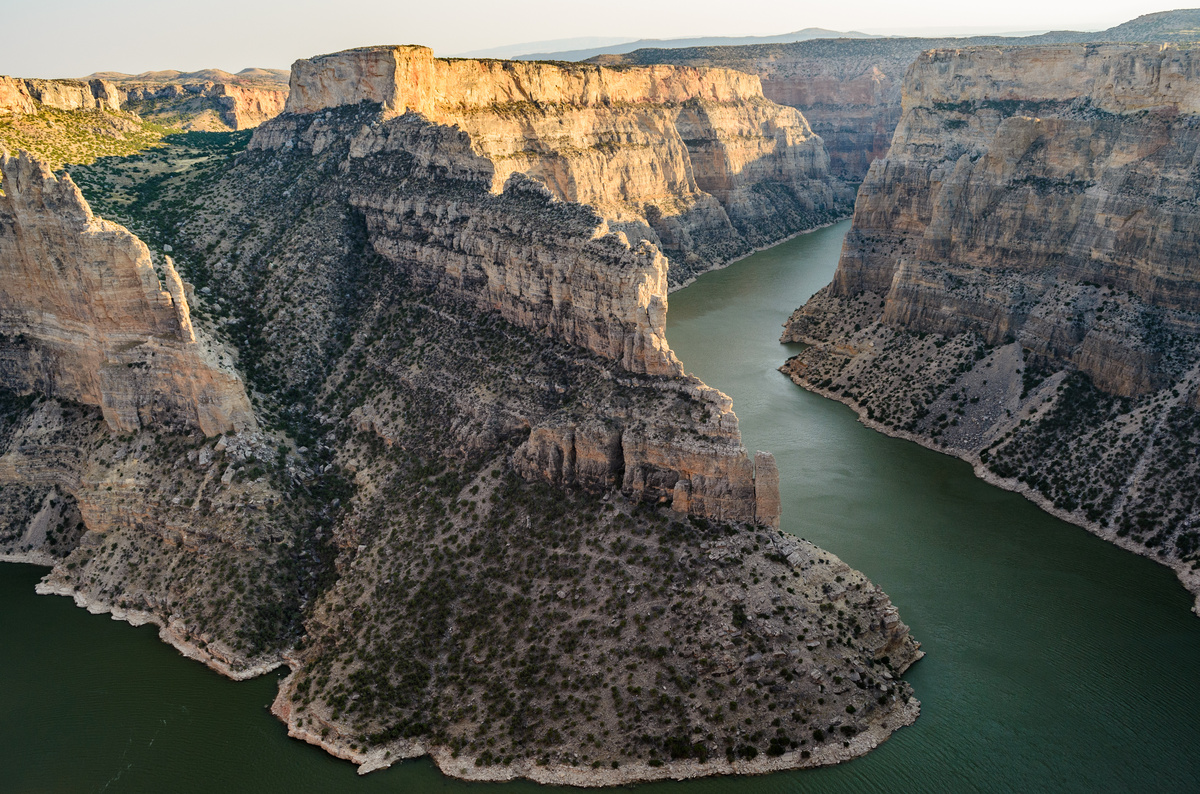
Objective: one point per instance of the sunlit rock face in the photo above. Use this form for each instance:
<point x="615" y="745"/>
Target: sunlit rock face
<point x="85" y="317"/>
<point x="696" y="161"/>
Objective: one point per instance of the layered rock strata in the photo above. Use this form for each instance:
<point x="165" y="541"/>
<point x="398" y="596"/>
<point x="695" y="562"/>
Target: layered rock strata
<point x="554" y="268"/>
<point x="204" y="105"/>
<point x="694" y="160"/>
<point x="849" y="90"/>
<point x="1036" y="216"/>
<point x="84" y="316"/>
<point x="191" y="104"/>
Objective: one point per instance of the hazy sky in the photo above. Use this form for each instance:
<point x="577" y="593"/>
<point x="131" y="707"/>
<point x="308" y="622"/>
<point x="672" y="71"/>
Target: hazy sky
<point x="67" y="38"/>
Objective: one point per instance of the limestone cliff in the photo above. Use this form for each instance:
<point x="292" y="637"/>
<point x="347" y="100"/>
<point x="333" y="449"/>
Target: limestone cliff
<point x="203" y="104"/>
<point x="84" y="317"/>
<point x="14" y="96"/>
<point x="850" y="89"/>
<point x="74" y="94"/>
<point x="1036" y="213"/>
<point x="188" y="102"/>
<point x="694" y="160"/>
<point x="425" y="199"/>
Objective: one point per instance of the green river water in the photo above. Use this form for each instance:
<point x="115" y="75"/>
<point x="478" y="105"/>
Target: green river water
<point x="1055" y="662"/>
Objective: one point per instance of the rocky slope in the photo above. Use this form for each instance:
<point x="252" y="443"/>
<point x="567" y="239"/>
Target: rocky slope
<point x="1019" y="284"/>
<point x="850" y="89"/>
<point x="491" y="519"/>
<point x="695" y="161"/>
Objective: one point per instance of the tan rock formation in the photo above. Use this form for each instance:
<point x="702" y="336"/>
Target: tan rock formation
<point x="83" y="316"/>
<point x="1020" y="167"/>
<point x="74" y="94"/>
<point x="204" y="104"/>
<point x="850" y="89"/>
<point x="426" y="195"/>
<point x="14" y="96"/>
<point x="694" y="160"/>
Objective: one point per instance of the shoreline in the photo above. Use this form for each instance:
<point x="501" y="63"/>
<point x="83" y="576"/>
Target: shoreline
<point x="1189" y="578"/>
<point x="462" y="767"/>
<point x="167" y="632"/>
<point x="757" y="250"/>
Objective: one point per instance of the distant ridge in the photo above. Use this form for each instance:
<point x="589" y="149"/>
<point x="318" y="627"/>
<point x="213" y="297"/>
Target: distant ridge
<point x="703" y="41"/>
<point x="607" y="43"/>
<point x="250" y="75"/>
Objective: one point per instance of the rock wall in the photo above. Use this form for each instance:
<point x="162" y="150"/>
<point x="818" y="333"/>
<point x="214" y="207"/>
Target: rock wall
<point x="553" y="267"/>
<point x="84" y="317"/>
<point x="73" y="94"/>
<point x="14" y="96"/>
<point x="204" y="104"/>
<point x="192" y="104"/>
<point x="1037" y="210"/>
<point x="694" y="160"/>
<point x="850" y="89"/>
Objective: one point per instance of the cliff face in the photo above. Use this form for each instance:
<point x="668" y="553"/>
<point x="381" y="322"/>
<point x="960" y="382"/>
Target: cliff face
<point x="14" y="96"/>
<point x="192" y="104"/>
<point x="425" y="200"/>
<point x="74" y="94"/>
<point x="850" y="89"/>
<point x="204" y="105"/>
<point x="694" y="160"/>
<point x="84" y="317"/>
<point x="1037" y="208"/>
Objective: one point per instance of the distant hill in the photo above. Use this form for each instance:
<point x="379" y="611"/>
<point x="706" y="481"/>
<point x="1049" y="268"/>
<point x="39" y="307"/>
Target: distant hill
<point x="275" y="77"/>
<point x="704" y="41"/>
<point x="1180" y="25"/>
<point x="607" y="43"/>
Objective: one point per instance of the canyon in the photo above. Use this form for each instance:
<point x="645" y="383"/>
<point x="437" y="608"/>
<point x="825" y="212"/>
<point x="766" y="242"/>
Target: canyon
<point x="1018" y="285"/>
<point x="474" y="482"/>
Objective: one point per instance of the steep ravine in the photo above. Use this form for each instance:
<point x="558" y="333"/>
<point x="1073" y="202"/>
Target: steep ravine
<point x="1019" y="285"/>
<point x="482" y="514"/>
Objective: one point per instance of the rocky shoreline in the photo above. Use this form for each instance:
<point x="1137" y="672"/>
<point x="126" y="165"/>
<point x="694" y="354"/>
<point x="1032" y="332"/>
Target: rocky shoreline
<point x="169" y="632"/>
<point x="1188" y="577"/>
<point x="463" y="766"/>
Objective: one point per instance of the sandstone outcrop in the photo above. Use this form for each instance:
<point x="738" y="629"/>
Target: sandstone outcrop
<point x="73" y="94"/>
<point x="84" y="316"/>
<point x="204" y="105"/>
<point x="694" y="160"/>
<point x="14" y="96"/>
<point x="552" y="267"/>
<point x="193" y="104"/>
<point x="1037" y="212"/>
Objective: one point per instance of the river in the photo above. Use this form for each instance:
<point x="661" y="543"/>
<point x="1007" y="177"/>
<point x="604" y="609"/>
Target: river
<point x="1055" y="661"/>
